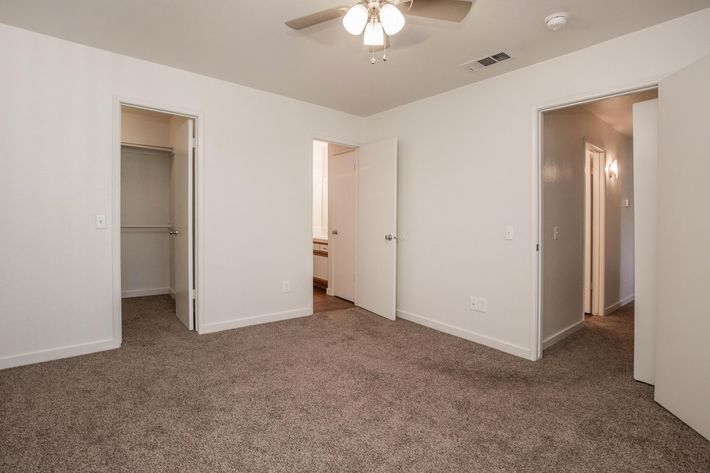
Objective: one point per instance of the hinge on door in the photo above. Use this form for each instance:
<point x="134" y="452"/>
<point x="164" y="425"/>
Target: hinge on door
<point x="194" y="293"/>
<point x="537" y="247"/>
<point x="194" y="142"/>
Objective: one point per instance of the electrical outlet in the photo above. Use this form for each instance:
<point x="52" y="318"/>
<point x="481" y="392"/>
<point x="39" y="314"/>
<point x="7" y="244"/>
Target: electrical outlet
<point x="474" y="303"/>
<point x="482" y="304"/>
<point x="101" y="222"/>
<point x="286" y="286"/>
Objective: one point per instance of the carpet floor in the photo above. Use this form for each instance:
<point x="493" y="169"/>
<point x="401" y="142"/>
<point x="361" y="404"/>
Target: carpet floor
<point x="342" y="391"/>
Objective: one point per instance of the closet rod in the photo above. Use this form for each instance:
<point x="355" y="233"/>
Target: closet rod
<point x="145" y="226"/>
<point x="148" y="147"/>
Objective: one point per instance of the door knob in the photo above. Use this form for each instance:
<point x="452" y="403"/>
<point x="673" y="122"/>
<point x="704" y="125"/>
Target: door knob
<point x="334" y="232"/>
<point x="390" y="237"/>
<point x="174" y="232"/>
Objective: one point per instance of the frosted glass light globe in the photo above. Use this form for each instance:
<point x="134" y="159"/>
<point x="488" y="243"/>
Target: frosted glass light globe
<point x="391" y="18"/>
<point x="355" y="19"/>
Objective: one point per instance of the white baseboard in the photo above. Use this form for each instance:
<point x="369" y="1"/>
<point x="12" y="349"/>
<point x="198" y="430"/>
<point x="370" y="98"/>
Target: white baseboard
<point x="255" y="320"/>
<point x="171" y="292"/>
<point x="619" y="304"/>
<point x="50" y="354"/>
<point x="158" y="291"/>
<point x="330" y="292"/>
<point x="562" y="334"/>
<point x="466" y="334"/>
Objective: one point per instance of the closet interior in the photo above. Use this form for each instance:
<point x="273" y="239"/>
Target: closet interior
<point x="157" y="159"/>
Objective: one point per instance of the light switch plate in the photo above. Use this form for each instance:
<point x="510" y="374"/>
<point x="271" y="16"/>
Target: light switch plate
<point x="100" y="222"/>
<point x="509" y="232"/>
<point x="474" y="303"/>
<point x="556" y="233"/>
<point x="286" y="286"/>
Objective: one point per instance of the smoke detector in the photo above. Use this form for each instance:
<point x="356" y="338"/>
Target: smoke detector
<point x="556" y="21"/>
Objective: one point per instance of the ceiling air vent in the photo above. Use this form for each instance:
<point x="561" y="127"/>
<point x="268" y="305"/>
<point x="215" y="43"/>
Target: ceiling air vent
<point x="487" y="61"/>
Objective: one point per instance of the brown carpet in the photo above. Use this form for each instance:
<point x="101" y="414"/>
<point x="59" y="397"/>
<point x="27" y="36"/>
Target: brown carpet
<point x="343" y="391"/>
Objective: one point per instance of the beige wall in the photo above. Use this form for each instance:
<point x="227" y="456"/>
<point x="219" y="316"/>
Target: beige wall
<point x="146" y="128"/>
<point x="619" y="226"/>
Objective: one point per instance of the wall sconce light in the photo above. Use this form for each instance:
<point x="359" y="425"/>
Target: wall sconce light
<point x="612" y="170"/>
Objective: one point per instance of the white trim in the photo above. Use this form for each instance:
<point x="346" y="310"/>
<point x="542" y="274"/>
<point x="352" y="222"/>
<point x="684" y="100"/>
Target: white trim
<point x="50" y="354"/>
<point x="255" y="320"/>
<point x="536" y="151"/>
<point x="598" y="231"/>
<point x="536" y="243"/>
<point x="564" y="333"/>
<point x="330" y="291"/>
<point x="198" y="210"/>
<point x="158" y="291"/>
<point x="466" y="334"/>
<point x="618" y="304"/>
<point x="171" y="292"/>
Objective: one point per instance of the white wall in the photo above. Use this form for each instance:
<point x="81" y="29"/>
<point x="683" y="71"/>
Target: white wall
<point x="683" y="258"/>
<point x="466" y="171"/>
<point x="645" y="221"/>
<point x="56" y="170"/>
<point x="564" y="134"/>
<point x="145" y="200"/>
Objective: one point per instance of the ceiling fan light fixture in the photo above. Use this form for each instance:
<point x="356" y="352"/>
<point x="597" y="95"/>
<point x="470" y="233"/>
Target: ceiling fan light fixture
<point x="355" y="19"/>
<point x="374" y="34"/>
<point x="392" y="19"/>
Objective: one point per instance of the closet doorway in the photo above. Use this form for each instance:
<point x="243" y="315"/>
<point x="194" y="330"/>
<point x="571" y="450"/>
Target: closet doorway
<point x="157" y="211"/>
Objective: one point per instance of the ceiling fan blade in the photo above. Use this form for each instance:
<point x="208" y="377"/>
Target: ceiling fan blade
<point x="447" y="10"/>
<point x="316" y="18"/>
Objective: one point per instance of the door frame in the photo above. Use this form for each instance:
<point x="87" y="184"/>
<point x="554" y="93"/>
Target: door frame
<point x="198" y="214"/>
<point x="536" y="246"/>
<point x="355" y="147"/>
<point x="597" y="240"/>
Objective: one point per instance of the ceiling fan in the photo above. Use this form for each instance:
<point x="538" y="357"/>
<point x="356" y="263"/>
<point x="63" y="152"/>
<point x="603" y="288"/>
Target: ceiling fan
<point x="382" y="18"/>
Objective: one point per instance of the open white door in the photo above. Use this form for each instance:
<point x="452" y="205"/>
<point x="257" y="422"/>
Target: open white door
<point x="182" y="231"/>
<point x="645" y="123"/>
<point x="342" y="205"/>
<point x="376" y="258"/>
<point x="683" y="256"/>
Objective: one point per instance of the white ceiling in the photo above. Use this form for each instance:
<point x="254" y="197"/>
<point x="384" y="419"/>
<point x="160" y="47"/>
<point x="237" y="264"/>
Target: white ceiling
<point x="246" y="42"/>
<point x="617" y="112"/>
